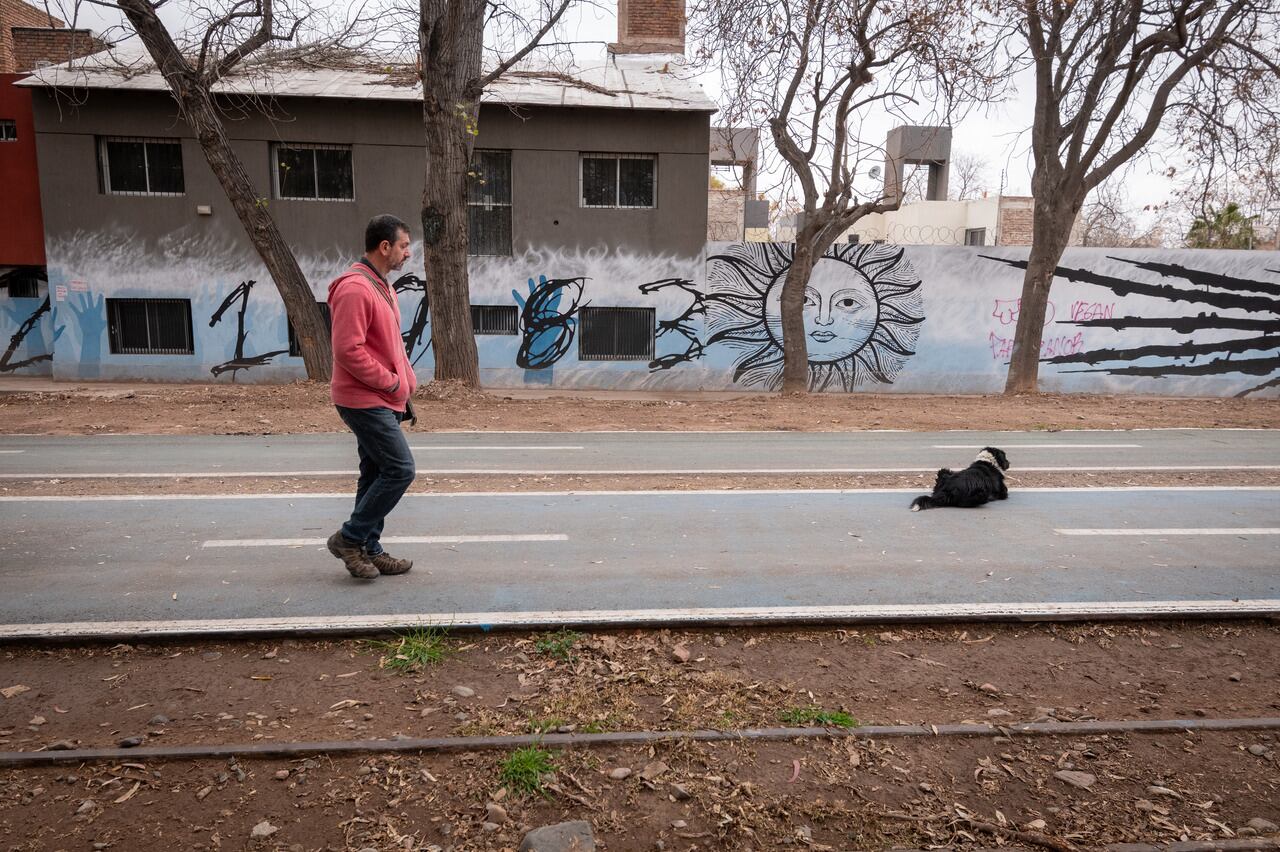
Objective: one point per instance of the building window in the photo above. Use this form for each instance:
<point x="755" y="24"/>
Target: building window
<point x="975" y="236"/>
<point x="616" y="334"/>
<point x="149" y="326"/>
<point x="618" y="180"/>
<point x="294" y="349"/>
<point x="135" y="166"/>
<point x="312" y="172"/>
<point x="489" y="203"/>
<point x="494" y="319"/>
<point x="23" y="282"/>
<point x="8" y="130"/>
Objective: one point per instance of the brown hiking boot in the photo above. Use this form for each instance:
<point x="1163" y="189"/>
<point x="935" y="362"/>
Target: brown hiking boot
<point x="352" y="555"/>
<point x="388" y="564"/>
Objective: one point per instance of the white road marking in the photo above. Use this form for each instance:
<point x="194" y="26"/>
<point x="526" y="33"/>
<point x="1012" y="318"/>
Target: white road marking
<point x="1175" y="531"/>
<point x="298" y="474"/>
<point x="1036" y="446"/>
<point x="10" y="452"/>
<point x="394" y="539"/>
<point x="465" y="447"/>
<point x="346" y="495"/>
<point x="336" y="623"/>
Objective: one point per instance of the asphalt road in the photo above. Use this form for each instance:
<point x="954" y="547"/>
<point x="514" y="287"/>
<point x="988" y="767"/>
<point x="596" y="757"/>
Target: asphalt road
<point x="126" y="566"/>
<point x="640" y="452"/>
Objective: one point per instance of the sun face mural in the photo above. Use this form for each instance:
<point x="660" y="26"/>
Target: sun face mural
<point x="862" y="313"/>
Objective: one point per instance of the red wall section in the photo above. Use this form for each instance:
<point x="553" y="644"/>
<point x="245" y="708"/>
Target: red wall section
<point x="21" y="226"/>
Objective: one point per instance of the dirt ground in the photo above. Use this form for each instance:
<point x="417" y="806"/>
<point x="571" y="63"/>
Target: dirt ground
<point x="227" y="409"/>
<point x="820" y="794"/>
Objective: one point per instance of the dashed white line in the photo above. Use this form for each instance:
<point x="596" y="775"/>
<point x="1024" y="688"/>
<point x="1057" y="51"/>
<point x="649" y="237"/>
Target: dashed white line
<point x="678" y="471"/>
<point x="465" y="448"/>
<point x="1158" y="531"/>
<point x="395" y="539"/>
<point x="1007" y="447"/>
<point x="346" y="495"/>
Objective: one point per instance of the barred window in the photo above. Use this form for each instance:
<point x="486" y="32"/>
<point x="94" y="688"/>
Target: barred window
<point x="975" y="236"/>
<point x="149" y="326"/>
<point x="295" y="349"/>
<point x="139" y="166"/>
<point x="489" y="203"/>
<point x="494" y="319"/>
<point x="618" y="180"/>
<point x="8" y="130"/>
<point x="616" y="334"/>
<point x="305" y="172"/>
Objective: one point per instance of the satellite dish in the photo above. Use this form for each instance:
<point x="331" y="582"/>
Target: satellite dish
<point x="875" y="173"/>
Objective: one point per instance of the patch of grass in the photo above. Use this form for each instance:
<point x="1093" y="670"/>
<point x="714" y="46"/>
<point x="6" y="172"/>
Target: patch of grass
<point x="544" y="726"/>
<point x="412" y="651"/>
<point x="558" y="645"/>
<point x="818" y="716"/>
<point x="521" y="773"/>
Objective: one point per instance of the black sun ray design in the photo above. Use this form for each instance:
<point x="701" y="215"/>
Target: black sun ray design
<point x="863" y="312"/>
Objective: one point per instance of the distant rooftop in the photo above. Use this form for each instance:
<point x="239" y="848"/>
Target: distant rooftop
<point x="644" y="82"/>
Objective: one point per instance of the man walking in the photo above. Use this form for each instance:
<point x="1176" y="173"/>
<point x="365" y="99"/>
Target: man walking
<point x="372" y="383"/>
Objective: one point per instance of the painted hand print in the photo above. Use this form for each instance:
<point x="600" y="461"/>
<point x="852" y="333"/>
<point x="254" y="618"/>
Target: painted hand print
<point x="547" y="325"/>
<point x="239" y="361"/>
<point x="863" y="312"/>
<point x="682" y="325"/>
<point x="1259" y="331"/>
<point x="90" y="314"/>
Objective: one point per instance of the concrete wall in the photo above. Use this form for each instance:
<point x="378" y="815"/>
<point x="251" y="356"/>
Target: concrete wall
<point x="388" y="166"/>
<point x="883" y="318"/>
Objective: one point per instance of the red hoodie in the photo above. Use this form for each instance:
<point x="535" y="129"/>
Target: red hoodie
<point x="370" y="367"/>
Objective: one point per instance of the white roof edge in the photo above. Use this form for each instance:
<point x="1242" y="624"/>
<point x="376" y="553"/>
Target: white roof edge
<point x="639" y="83"/>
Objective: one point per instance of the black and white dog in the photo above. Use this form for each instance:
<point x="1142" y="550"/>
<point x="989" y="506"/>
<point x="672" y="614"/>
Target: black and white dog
<point x="976" y="484"/>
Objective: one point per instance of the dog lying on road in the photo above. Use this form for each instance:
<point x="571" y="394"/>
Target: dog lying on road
<point x="976" y="484"/>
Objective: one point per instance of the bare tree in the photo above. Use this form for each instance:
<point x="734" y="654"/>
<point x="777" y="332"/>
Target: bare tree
<point x="1108" y="75"/>
<point x="968" y="176"/>
<point x="451" y="41"/>
<point x="813" y="71"/>
<point x="220" y="37"/>
<point x="1107" y="220"/>
<point x="1215" y="177"/>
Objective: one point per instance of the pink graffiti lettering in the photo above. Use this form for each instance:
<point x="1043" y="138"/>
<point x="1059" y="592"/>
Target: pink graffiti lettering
<point x="1007" y="310"/>
<point x="1092" y="310"/>
<point x="1050" y="347"/>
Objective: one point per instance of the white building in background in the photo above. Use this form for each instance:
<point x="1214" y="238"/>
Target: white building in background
<point x="998" y="220"/>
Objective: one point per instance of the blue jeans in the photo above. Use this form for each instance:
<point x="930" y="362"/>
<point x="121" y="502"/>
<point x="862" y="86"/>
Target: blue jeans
<point x="386" y="471"/>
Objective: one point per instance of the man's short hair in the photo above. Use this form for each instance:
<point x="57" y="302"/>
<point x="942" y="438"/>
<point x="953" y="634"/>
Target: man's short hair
<point x="383" y="227"/>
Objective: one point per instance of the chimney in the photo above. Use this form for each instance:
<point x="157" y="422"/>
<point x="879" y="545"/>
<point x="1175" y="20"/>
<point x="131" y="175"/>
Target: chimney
<point x="650" y="26"/>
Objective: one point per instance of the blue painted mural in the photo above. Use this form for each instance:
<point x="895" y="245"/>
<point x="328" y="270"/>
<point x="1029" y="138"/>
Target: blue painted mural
<point x="878" y="317"/>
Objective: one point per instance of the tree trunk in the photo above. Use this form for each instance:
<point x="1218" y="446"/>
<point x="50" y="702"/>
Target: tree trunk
<point x="795" y="351"/>
<point x="196" y="105"/>
<point x="450" y="42"/>
<point x="1050" y="232"/>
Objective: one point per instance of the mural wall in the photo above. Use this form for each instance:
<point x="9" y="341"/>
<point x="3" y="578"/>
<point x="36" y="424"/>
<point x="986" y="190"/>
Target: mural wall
<point x="877" y="317"/>
<point x="29" y="327"/>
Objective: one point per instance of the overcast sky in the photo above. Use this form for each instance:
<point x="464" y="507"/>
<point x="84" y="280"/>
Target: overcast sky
<point x="998" y="134"/>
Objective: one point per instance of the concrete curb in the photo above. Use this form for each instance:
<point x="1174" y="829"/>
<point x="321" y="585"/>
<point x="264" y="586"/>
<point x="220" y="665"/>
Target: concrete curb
<point x="31" y="759"/>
